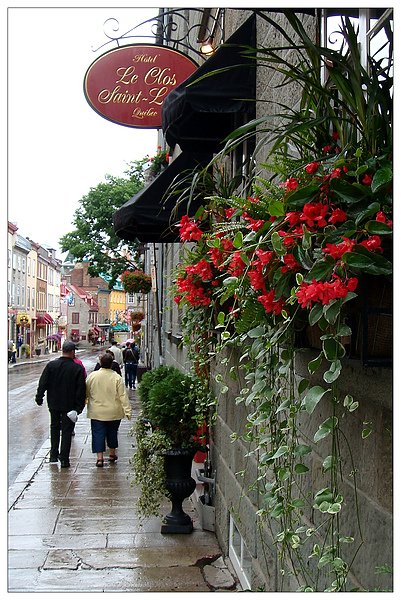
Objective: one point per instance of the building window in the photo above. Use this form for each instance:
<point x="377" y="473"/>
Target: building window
<point x="19" y="263"/>
<point x="75" y="318"/>
<point x="33" y="267"/>
<point x="23" y="264"/>
<point x="18" y="295"/>
<point x="29" y="266"/>
<point x="9" y="258"/>
<point x="14" y="261"/>
<point x="33" y="297"/>
<point x="239" y="555"/>
<point x="28" y="297"/>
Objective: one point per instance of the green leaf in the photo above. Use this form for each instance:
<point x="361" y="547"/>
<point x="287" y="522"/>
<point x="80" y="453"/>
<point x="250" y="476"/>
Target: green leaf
<point x="300" y="469"/>
<point x="238" y="240"/>
<point x="302" y="449"/>
<point x="303" y="385"/>
<point x="321" y="269"/>
<point x="277" y="243"/>
<point x="221" y="318"/>
<point x="314" y="364"/>
<point x="256" y="332"/>
<point x="334" y="372"/>
<point x="328" y="463"/>
<point x="377" y="228"/>
<point x="371" y="263"/>
<point x="276" y="209"/>
<point x="313" y="397"/>
<point x="315" y="314"/>
<point x="280" y="452"/>
<point x="332" y="349"/>
<point x="325" y="428"/>
<point x="230" y="281"/>
<point x="383" y="176"/>
<point x="298" y="198"/>
<point x="331" y="311"/>
<point x="334" y="508"/>
<point x="370" y="211"/>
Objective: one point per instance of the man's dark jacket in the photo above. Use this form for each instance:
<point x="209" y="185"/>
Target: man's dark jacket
<point x="64" y="381"/>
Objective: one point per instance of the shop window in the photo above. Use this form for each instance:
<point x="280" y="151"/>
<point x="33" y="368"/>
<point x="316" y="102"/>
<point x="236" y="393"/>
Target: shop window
<point x="240" y="556"/>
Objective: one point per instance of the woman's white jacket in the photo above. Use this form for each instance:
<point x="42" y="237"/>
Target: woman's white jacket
<point x="106" y="396"/>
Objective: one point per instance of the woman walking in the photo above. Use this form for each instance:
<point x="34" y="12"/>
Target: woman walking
<point x="107" y="403"/>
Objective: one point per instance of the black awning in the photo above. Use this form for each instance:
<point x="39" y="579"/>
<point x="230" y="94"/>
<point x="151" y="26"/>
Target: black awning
<point x="152" y="215"/>
<point x="201" y="115"/>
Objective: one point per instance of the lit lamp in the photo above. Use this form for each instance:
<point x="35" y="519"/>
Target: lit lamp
<point x="207" y="46"/>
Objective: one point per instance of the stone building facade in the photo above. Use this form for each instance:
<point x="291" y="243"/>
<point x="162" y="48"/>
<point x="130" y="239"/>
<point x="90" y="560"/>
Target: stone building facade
<point x="242" y="536"/>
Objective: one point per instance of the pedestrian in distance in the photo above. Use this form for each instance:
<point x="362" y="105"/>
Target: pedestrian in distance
<point x="64" y="383"/>
<point x="12" y="351"/>
<point x="131" y="366"/>
<point x="107" y="403"/>
<point x="114" y="365"/>
<point x="118" y="355"/>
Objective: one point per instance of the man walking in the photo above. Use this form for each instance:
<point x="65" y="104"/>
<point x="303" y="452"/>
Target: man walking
<point x="118" y="355"/>
<point x="64" y="382"/>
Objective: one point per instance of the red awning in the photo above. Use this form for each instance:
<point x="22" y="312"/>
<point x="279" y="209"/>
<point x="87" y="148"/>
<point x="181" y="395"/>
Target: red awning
<point x="44" y="319"/>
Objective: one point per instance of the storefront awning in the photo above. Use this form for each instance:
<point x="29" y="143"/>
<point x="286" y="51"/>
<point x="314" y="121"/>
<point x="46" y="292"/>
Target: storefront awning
<point x="199" y="114"/>
<point x="44" y="319"/>
<point x="151" y="215"/>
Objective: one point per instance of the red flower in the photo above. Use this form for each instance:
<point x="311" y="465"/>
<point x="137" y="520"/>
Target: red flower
<point x="367" y="179"/>
<point x="264" y="256"/>
<point x="270" y="304"/>
<point x="314" y="214"/>
<point x="189" y="230"/>
<point x="293" y="218"/>
<point x="291" y="263"/>
<point x="229" y="212"/>
<point x="237" y="265"/>
<point x="202" y="268"/>
<point x="324" y="291"/>
<point x="381" y="218"/>
<point x="312" y="168"/>
<point x="335" y="136"/>
<point x="373" y="243"/>
<point x="255" y="276"/>
<point x="338" y="216"/>
<point x="291" y="184"/>
<point x="254" y="224"/>
<point x="337" y="250"/>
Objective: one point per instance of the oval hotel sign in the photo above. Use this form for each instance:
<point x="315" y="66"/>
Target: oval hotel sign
<point x="128" y="85"/>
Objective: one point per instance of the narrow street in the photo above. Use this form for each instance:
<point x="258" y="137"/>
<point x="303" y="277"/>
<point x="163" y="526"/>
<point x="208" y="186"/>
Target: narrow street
<point x="28" y="423"/>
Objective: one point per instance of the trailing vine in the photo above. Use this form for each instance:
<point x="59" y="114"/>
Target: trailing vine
<point x="265" y="268"/>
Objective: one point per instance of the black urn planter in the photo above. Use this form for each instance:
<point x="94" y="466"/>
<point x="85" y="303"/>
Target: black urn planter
<point x="180" y="484"/>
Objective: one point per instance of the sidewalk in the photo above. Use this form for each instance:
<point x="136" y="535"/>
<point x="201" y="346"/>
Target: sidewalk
<point x="76" y="529"/>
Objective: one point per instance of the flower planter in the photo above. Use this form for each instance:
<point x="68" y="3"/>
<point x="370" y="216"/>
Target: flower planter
<point x="180" y="485"/>
<point x="140" y="371"/>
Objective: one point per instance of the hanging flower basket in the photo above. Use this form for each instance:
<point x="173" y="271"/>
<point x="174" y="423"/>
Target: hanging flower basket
<point x="136" y="282"/>
<point x="137" y="316"/>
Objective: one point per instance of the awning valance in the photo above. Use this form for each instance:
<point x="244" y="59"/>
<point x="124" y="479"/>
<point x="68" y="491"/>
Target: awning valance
<point x="150" y="215"/>
<point x="200" y="114"/>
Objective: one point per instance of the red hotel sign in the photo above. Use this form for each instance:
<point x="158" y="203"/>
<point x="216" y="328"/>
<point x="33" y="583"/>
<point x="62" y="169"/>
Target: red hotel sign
<point x="128" y="85"/>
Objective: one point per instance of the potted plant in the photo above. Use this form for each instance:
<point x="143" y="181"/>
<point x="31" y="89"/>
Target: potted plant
<point x="136" y="281"/>
<point x="25" y="350"/>
<point x="172" y="407"/>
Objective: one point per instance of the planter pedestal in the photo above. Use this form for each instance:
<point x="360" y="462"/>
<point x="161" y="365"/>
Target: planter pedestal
<point x="180" y="484"/>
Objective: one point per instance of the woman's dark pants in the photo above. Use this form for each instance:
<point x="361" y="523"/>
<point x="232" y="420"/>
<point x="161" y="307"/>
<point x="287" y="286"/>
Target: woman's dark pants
<point x="102" y="432"/>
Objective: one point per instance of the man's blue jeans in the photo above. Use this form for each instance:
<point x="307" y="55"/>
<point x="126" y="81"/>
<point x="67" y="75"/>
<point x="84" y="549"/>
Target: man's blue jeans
<point x="130" y="373"/>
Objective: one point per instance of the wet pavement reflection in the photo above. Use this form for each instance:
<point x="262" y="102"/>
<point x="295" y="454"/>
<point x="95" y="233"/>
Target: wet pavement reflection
<point x="77" y="529"/>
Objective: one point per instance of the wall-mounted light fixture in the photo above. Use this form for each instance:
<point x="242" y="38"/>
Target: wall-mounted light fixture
<point x="207" y="46"/>
<point x="206" y="36"/>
